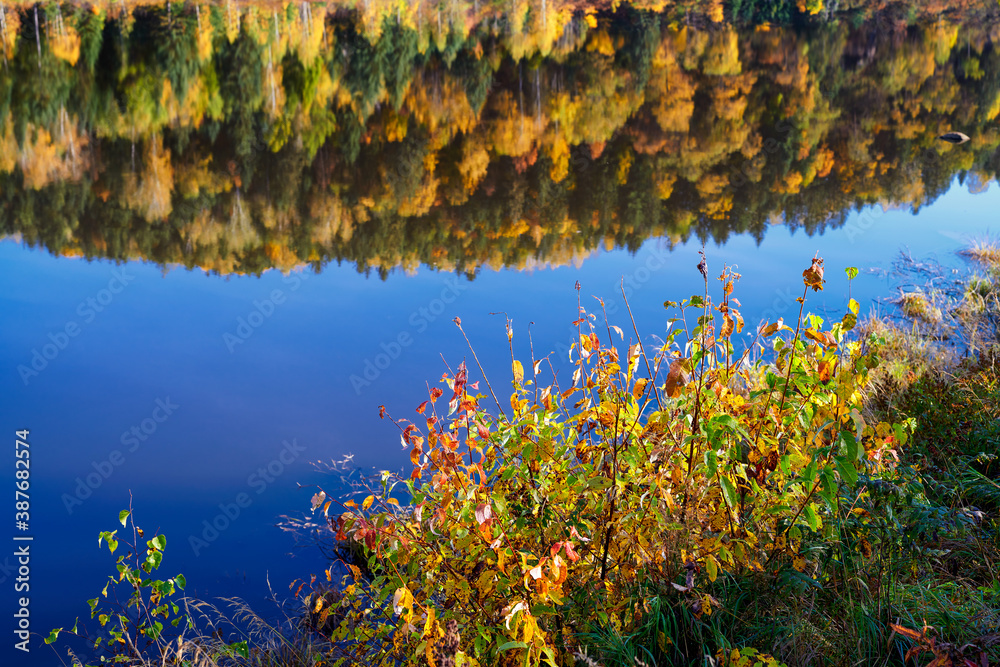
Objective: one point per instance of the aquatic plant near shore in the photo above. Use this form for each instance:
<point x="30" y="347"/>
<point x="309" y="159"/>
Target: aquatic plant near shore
<point x="653" y="474"/>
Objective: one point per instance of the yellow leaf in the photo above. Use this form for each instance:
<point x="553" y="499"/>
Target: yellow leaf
<point x="712" y="567"/>
<point x="368" y="502"/>
<point x="429" y="625"/>
<point x="429" y="654"/>
<point x="529" y="628"/>
<point x="518" y="373"/>
<point x="640" y="387"/>
<point x="462" y="660"/>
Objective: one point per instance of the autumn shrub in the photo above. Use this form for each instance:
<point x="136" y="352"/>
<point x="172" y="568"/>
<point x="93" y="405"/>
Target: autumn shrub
<point x="576" y="510"/>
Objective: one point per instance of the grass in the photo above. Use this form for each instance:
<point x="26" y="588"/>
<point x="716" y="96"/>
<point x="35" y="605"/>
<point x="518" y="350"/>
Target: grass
<point x="985" y="251"/>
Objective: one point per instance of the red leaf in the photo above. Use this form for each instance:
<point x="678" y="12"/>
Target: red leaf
<point x="422" y="407"/>
<point x="381" y="412"/>
<point x="435" y="394"/>
<point x="406" y="438"/>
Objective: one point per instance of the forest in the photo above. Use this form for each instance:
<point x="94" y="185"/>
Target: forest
<point x="242" y="137"/>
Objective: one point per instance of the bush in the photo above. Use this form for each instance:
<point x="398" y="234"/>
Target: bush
<point x="574" y="511"/>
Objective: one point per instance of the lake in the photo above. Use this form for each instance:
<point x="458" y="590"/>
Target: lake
<point x="232" y="231"/>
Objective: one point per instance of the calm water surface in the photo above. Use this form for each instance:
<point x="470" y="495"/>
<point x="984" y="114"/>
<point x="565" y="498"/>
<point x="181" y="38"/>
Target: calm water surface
<point x="221" y="257"/>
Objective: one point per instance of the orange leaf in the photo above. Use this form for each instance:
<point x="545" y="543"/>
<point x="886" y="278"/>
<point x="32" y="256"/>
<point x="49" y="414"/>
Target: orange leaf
<point x="813" y="276"/>
<point x="677" y="377"/>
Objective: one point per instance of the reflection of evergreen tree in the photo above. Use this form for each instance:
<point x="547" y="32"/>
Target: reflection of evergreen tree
<point x="175" y="50"/>
<point x="241" y="68"/>
<point x="476" y="76"/>
<point x="40" y="84"/>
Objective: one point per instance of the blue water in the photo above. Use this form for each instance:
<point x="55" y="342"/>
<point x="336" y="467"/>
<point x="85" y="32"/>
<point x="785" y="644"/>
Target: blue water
<point x="214" y="418"/>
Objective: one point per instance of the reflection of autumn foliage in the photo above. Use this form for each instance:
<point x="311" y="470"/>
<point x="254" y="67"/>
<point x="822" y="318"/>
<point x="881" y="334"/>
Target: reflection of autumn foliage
<point x="242" y="137"/>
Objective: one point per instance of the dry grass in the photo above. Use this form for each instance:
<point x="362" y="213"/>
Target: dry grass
<point x="985" y="251"/>
<point x="919" y="306"/>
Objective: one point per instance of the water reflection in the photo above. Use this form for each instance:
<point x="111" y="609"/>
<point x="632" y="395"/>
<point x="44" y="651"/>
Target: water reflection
<point x="242" y="138"/>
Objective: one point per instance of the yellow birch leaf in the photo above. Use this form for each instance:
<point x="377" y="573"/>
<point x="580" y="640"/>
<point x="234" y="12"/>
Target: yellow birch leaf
<point x="518" y="373"/>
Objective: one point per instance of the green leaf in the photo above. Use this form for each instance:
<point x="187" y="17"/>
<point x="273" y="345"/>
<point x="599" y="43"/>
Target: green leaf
<point x="241" y="649"/>
<point x="809" y="472"/>
<point x="510" y="645"/>
<point x="122" y="516"/>
<point x="811" y="517"/>
<point x="829" y="482"/>
<point x="181" y="581"/>
<point x="852" y="273"/>
<point x="54" y="635"/>
<point x="728" y="491"/>
<point x="599" y="483"/>
<point x="851" y="445"/>
<point x="160" y="542"/>
<point x="711" y="463"/>
<point x="848" y="473"/>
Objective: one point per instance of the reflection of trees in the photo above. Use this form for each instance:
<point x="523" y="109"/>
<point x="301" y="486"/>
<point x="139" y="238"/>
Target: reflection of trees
<point x="241" y="138"/>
